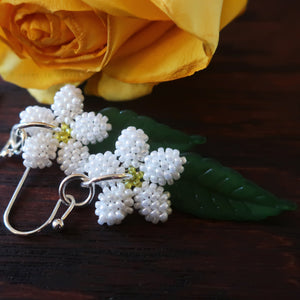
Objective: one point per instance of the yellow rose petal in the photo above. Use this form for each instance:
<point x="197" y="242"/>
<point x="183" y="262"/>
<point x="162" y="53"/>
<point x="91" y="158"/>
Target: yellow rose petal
<point x="198" y="17"/>
<point x="173" y="55"/>
<point x="25" y="73"/>
<point x="143" y="9"/>
<point x="201" y="17"/>
<point x="114" y="90"/>
<point x="120" y="29"/>
<point x="133" y="35"/>
<point x="231" y="9"/>
<point x="74" y="5"/>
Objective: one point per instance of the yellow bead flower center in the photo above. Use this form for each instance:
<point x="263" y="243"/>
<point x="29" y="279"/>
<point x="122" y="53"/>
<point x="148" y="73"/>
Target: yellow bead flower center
<point x="64" y="134"/>
<point x="135" y="180"/>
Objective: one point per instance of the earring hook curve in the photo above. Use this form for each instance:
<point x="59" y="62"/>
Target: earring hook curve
<point x="56" y="223"/>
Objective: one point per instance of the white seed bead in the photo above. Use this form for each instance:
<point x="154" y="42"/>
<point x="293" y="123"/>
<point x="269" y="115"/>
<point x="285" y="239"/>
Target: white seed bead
<point x="114" y="204"/>
<point x="37" y="114"/>
<point x="132" y="147"/>
<point x="89" y="128"/>
<point x="152" y="202"/>
<point x="103" y="164"/>
<point x="72" y="157"/>
<point x="39" y="150"/>
<point x="163" y="166"/>
<point x="68" y="102"/>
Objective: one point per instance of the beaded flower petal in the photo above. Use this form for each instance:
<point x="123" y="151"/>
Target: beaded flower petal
<point x="103" y="164"/>
<point x="163" y="166"/>
<point x="132" y="147"/>
<point x="72" y="156"/>
<point x="149" y="173"/>
<point x="89" y="128"/>
<point x="74" y="129"/>
<point x="37" y="114"/>
<point x="68" y="103"/>
<point x="115" y="203"/>
<point x="39" y="150"/>
<point x="152" y="202"/>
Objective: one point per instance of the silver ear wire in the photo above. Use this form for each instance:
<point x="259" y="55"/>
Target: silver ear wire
<point x="56" y="223"/>
<point x="14" y="146"/>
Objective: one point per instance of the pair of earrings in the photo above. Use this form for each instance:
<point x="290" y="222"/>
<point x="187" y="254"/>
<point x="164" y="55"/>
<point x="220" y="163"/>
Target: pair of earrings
<point x="131" y="177"/>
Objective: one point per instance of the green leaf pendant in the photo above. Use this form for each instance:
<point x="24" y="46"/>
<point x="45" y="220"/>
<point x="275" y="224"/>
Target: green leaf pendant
<point x="206" y="189"/>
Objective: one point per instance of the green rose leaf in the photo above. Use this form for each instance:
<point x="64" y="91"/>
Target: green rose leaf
<point x="207" y="189"/>
<point x="160" y="135"/>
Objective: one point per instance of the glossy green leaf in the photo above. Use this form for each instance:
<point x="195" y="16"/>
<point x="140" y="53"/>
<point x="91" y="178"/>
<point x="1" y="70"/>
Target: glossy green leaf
<point x="160" y="135"/>
<point x="209" y="190"/>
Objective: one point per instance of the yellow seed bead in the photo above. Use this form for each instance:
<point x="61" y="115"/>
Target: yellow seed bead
<point x="131" y="170"/>
<point x="136" y="182"/>
<point x="65" y="134"/>
<point x="128" y="185"/>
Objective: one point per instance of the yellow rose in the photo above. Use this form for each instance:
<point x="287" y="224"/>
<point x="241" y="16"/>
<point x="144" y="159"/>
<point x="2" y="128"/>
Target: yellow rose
<point x="122" y="48"/>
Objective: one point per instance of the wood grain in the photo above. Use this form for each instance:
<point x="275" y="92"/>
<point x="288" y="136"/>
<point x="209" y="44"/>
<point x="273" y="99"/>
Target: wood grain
<point x="247" y="103"/>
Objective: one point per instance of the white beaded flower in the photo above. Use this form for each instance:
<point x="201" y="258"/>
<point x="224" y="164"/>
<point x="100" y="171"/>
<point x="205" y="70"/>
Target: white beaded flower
<point x="149" y="172"/>
<point x="74" y="129"/>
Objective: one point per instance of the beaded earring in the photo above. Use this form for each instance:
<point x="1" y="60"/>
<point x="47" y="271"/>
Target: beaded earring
<point x="130" y="177"/>
<point x="134" y="171"/>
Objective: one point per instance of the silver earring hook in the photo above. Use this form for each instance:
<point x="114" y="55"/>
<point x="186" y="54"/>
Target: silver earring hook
<point x="14" y="146"/>
<point x="56" y="223"/>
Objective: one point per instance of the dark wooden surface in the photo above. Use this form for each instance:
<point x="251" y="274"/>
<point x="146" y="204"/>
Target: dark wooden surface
<point x="247" y="104"/>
